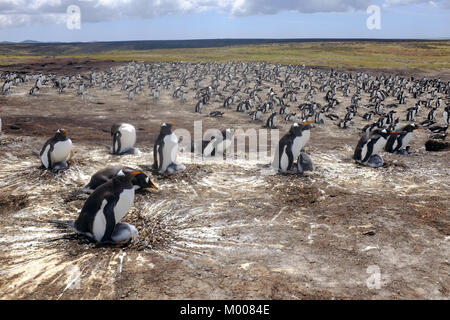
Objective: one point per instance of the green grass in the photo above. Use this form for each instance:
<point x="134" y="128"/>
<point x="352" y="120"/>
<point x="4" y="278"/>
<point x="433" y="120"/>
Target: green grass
<point x="427" y="55"/>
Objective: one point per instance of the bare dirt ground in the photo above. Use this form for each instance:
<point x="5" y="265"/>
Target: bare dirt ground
<point x="218" y="230"/>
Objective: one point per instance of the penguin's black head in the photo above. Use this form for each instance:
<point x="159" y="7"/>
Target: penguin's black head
<point x="61" y="134"/>
<point x="166" y="128"/>
<point x="296" y="129"/>
<point x="411" y="127"/>
<point x="382" y="132"/>
<point x="142" y="181"/>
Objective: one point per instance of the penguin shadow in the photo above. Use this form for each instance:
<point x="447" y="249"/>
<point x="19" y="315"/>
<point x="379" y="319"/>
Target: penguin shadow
<point x="83" y="240"/>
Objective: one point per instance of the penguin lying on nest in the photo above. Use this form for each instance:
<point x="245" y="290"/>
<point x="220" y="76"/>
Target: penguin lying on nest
<point x="368" y="147"/>
<point x="102" y="212"/>
<point x="140" y="181"/>
<point x="165" y="151"/>
<point x="56" y="151"/>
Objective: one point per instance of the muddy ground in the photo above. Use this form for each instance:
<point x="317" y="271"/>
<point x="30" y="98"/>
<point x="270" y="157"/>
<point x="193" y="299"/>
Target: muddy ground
<point x="231" y="230"/>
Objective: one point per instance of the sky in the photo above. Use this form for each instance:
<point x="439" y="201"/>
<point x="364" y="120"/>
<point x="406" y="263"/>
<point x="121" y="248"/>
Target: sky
<point x="118" y="20"/>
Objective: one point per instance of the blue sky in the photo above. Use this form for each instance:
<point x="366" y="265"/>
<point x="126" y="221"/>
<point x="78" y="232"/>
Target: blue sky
<point x="111" y="20"/>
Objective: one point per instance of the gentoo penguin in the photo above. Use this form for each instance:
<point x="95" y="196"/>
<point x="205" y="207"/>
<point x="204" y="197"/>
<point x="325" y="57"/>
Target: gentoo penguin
<point x="218" y="145"/>
<point x="447" y="115"/>
<point x="216" y="114"/>
<point x="398" y="141"/>
<point x="124" y="138"/>
<point x="165" y="151"/>
<point x="102" y="212"/>
<point x="271" y="121"/>
<point x="290" y="146"/>
<point x="438" y="129"/>
<point x="370" y="145"/>
<point x="199" y="106"/>
<point x="140" y="181"/>
<point x="56" y="151"/>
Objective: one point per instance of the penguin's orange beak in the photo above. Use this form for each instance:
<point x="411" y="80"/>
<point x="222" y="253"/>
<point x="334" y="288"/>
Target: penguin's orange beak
<point x="135" y="173"/>
<point x="154" y="187"/>
<point x="1" y="110"/>
<point x="64" y="131"/>
<point x="419" y="128"/>
<point x="306" y="123"/>
<point x="393" y="131"/>
<point x="172" y="123"/>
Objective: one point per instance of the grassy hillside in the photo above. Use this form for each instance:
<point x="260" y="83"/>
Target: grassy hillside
<point x="421" y="55"/>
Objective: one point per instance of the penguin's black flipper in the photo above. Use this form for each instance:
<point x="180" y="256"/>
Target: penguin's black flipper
<point x="160" y="156"/>
<point x="108" y="211"/>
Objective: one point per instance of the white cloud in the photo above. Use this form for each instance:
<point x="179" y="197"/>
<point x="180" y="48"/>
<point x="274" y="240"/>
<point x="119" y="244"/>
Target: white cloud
<point x="15" y="13"/>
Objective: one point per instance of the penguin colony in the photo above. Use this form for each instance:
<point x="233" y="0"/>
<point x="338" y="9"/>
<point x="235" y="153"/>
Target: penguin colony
<point x="307" y="100"/>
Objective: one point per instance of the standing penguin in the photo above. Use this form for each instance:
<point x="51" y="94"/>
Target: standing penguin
<point x="446" y="115"/>
<point x="398" y="141"/>
<point x="271" y="121"/>
<point x="369" y="146"/>
<point x="124" y="138"/>
<point x="56" y="151"/>
<point x="165" y="151"/>
<point x="140" y="181"/>
<point x="102" y="212"/>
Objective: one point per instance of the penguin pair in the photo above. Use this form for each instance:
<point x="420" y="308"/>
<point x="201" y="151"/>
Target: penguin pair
<point x="56" y="151"/>
<point x="165" y="151"/>
<point x="368" y="147"/>
<point x="139" y="181"/>
<point x="124" y="138"/>
<point x="218" y="145"/>
<point x="100" y="218"/>
<point x="290" y="147"/>
<point x="398" y="141"/>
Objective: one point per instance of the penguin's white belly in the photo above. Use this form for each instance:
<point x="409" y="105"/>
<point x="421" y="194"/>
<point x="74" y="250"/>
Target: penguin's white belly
<point x="297" y="146"/>
<point x="170" y="151"/>
<point x="126" y="201"/>
<point x="61" y="151"/>
<point x="407" y="139"/>
<point x="378" y="146"/>
<point x="99" y="225"/>
<point x="284" y="161"/>
<point x="128" y="138"/>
